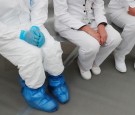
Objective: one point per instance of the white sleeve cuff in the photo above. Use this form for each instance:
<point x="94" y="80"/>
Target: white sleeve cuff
<point x="132" y="4"/>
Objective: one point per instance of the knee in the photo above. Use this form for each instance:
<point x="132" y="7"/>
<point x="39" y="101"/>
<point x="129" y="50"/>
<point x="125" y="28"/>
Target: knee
<point x="130" y="27"/>
<point x="128" y="32"/>
<point x="114" y="37"/>
<point x="91" y="46"/>
<point x="55" y="71"/>
<point x="52" y="50"/>
<point x="34" y="56"/>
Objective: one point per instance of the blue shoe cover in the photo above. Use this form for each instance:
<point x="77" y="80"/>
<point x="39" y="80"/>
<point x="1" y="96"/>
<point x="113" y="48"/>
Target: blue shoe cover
<point x="38" y="99"/>
<point x="57" y="86"/>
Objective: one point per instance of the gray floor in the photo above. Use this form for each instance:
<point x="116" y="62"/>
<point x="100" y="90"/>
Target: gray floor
<point x="111" y="93"/>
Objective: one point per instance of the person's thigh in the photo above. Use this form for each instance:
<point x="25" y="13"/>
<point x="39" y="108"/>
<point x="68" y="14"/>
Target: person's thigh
<point x="50" y="42"/>
<point x="51" y="48"/>
<point x="123" y="19"/>
<point x="80" y="38"/>
<point x="52" y="54"/>
<point x="18" y="51"/>
<point x="113" y="36"/>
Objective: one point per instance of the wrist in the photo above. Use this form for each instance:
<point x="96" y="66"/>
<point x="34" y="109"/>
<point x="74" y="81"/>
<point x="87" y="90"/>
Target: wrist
<point x="34" y="28"/>
<point x="22" y="34"/>
<point x="131" y="11"/>
<point x="101" y="27"/>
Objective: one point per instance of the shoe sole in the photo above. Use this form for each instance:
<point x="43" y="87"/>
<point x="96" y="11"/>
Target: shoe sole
<point x="53" y="110"/>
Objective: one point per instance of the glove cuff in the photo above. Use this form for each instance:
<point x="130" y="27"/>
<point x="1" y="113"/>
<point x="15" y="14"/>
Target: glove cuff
<point x="22" y="34"/>
<point x="35" y="28"/>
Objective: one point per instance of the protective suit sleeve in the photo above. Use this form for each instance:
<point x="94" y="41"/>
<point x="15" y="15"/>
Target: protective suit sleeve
<point x="39" y="12"/>
<point x="131" y="3"/>
<point x="8" y="32"/>
<point x="99" y="11"/>
<point x="62" y="14"/>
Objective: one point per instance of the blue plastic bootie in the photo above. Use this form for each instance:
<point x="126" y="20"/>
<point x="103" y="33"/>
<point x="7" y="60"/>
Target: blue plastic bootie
<point x="38" y="99"/>
<point x="58" y="87"/>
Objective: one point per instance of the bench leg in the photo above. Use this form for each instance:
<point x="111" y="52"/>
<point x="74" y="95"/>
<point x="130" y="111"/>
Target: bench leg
<point x="71" y="57"/>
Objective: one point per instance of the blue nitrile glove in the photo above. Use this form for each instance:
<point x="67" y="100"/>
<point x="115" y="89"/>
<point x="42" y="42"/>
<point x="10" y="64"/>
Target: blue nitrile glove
<point x="29" y="37"/>
<point x="39" y="34"/>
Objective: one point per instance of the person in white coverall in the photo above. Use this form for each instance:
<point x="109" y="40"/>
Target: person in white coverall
<point x="26" y="43"/>
<point x="83" y="23"/>
<point x="122" y="14"/>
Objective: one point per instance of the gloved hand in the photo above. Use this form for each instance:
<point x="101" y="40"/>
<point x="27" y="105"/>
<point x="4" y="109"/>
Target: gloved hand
<point x="36" y="31"/>
<point x="29" y="37"/>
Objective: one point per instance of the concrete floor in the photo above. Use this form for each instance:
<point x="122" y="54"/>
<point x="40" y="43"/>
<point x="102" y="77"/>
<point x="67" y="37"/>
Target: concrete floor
<point x="111" y="93"/>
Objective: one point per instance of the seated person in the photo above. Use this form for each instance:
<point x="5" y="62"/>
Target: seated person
<point x="26" y="43"/>
<point x="122" y="14"/>
<point x="83" y="23"/>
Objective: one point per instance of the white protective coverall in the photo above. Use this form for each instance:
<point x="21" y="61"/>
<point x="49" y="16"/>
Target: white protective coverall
<point x="70" y="15"/>
<point x="17" y="15"/>
<point x="118" y="10"/>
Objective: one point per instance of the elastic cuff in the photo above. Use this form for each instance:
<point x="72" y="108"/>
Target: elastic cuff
<point x="77" y="26"/>
<point x="82" y="26"/>
<point x="132" y="4"/>
<point x="35" y="27"/>
<point x="22" y="34"/>
<point x="103" y="23"/>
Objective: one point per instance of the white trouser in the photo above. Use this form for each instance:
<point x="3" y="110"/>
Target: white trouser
<point x="90" y="51"/>
<point x="127" y="22"/>
<point x="32" y="61"/>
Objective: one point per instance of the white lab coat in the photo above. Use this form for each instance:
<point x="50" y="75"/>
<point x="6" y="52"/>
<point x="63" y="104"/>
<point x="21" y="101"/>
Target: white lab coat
<point x="70" y="15"/>
<point x="120" y="5"/>
<point x="74" y="13"/>
<point x="17" y="15"/>
<point x="118" y="12"/>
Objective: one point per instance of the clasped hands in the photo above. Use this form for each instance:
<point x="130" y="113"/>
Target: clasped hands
<point x="33" y="36"/>
<point x="131" y="11"/>
<point x="100" y="35"/>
